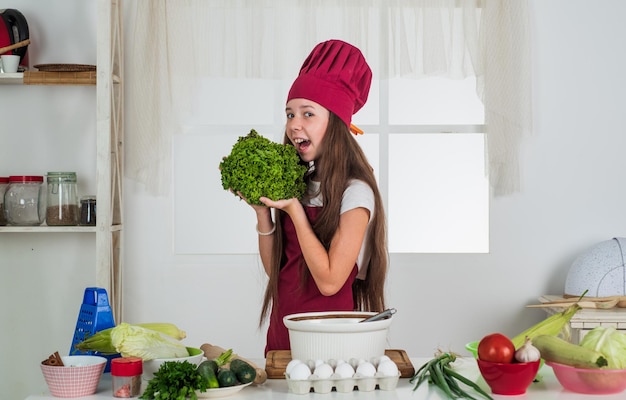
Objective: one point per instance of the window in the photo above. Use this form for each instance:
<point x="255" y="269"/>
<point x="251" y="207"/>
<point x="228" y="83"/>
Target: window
<point x="423" y="137"/>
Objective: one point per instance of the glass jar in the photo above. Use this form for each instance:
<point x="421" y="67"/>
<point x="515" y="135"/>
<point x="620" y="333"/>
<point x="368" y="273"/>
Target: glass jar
<point x="24" y="200"/>
<point x="62" y="199"/>
<point x="4" y="182"/>
<point x="126" y="376"/>
<point x="88" y="210"/>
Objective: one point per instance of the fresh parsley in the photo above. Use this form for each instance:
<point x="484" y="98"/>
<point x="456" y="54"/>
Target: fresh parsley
<point x="175" y="381"/>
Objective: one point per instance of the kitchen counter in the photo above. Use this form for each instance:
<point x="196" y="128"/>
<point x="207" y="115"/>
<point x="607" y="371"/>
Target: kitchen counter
<point x="276" y="389"/>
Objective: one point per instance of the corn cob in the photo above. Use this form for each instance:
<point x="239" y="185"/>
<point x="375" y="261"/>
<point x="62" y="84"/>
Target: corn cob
<point x="101" y="341"/>
<point x="553" y="325"/>
<point x="561" y="351"/>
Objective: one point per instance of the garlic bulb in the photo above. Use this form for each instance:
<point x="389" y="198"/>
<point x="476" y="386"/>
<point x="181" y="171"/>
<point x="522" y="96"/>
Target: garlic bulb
<point x="528" y="352"/>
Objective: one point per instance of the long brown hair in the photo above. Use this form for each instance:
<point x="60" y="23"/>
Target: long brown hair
<point x="341" y="160"/>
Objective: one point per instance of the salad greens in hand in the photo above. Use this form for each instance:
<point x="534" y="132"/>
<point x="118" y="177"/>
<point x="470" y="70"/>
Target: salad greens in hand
<point x="258" y="167"/>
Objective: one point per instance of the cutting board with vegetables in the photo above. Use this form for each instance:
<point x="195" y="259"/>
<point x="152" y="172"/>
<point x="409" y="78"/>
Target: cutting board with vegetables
<point x="277" y="360"/>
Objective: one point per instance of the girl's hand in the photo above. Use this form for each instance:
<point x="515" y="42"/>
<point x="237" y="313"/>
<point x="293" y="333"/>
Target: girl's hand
<point x="256" y="207"/>
<point x="286" y="205"/>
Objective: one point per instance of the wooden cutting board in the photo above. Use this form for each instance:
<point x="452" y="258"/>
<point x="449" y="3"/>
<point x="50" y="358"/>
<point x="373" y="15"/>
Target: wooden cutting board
<point x="276" y="362"/>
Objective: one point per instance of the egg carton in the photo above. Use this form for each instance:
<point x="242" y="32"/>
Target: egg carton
<point x="342" y="385"/>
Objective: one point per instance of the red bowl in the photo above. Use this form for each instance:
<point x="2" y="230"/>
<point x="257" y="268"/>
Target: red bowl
<point x="508" y="378"/>
<point x="589" y="381"/>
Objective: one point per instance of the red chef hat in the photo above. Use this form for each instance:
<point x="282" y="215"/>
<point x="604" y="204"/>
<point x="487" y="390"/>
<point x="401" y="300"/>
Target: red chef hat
<point x="336" y="76"/>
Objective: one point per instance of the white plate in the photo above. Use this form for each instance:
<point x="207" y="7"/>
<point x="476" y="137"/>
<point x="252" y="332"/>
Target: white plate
<point x="220" y="392"/>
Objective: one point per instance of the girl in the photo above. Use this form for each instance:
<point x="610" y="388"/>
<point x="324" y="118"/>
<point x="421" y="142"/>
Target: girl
<point x="328" y="250"/>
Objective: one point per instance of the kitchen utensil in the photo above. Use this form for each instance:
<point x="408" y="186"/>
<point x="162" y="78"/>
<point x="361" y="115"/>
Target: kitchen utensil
<point x="79" y="376"/>
<point x="381" y="315"/>
<point x="16" y="28"/>
<point x="606" y="303"/>
<point x="508" y="378"/>
<point x="589" y="381"/>
<point x="15" y="46"/>
<point x="10" y="63"/>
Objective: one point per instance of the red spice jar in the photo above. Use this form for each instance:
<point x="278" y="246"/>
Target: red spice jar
<point x="126" y="376"/>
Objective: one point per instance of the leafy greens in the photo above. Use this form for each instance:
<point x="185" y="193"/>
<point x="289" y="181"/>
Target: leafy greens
<point x="608" y="341"/>
<point x="175" y="381"/>
<point x="258" y="167"/>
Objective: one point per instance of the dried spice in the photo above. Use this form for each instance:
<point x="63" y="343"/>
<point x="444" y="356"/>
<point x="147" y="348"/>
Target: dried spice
<point x="66" y="214"/>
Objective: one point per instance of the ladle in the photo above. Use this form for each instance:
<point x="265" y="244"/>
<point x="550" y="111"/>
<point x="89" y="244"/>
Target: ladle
<point x="381" y="315"/>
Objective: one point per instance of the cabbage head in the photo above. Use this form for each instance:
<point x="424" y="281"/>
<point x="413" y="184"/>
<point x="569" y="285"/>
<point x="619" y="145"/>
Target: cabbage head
<point x="610" y="342"/>
<point x="258" y="167"/>
<point x="136" y="341"/>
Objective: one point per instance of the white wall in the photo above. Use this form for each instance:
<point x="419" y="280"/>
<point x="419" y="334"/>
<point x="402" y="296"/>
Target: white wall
<point x="573" y="194"/>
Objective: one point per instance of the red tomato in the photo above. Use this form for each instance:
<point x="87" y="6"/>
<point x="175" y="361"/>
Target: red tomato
<point x="496" y="348"/>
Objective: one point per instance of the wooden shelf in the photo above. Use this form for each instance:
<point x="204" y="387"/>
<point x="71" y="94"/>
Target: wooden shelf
<point x="87" y="78"/>
<point x="49" y="78"/>
<point x="55" y="229"/>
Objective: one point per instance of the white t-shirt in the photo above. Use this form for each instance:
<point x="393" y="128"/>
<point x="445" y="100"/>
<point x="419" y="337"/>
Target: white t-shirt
<point x="357" y="194"/>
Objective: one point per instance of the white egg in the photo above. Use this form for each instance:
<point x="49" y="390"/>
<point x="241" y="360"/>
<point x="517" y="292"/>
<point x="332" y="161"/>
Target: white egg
<point x="366" y="369"/>
<point x="344" y="370"/>
<point x="388" y="368"/>
<point x="318" y="363"/>
<point x="300" y="372"/>
<point x="323" y="371"/>
<point x="292" y="364"/>
<point x="383" y="358"/>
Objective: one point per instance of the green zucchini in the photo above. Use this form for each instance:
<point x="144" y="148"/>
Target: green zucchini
<point x="208" y="371"/>
<point x="555" y="349"/>
<point x="245" y="372"/>
<point x="226" y="378"/>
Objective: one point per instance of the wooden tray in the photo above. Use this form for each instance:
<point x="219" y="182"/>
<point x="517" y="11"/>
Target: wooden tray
<point x="277" y="360"/>
<point x="65" y="67"/>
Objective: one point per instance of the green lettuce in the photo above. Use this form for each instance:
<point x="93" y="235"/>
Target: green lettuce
<point x="610" y="342"/>
<point x="258" y="167"/>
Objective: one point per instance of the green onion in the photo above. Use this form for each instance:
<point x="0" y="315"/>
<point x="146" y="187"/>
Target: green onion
<point x="440" y="373"/>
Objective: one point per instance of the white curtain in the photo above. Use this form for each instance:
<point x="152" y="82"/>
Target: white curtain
<point x="172" y="42"/>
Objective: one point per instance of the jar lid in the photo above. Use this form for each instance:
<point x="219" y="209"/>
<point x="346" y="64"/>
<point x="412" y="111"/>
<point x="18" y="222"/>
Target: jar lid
<point x="4" y="179"/>
<point x="126" y="366"/>
<point x="88" y="198"/>
<point x="25" y="178"/>
<point x="62" y="176"/>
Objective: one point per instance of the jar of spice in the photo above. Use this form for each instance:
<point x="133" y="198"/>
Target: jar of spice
<point x="62" y="200"/>
<point x="126" y="376"/>
<point x="88" y="210"/>
<point x="4" y="182"/>
<point x="24" y="200"/>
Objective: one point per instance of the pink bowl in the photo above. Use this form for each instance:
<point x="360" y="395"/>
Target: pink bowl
<point x="589" y="381"/>
<point x="508" y="378"/>
<point x="79" y="376"/>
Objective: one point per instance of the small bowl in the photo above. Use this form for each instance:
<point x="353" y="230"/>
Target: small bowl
<point x="508" y="378"/>
<point x="590" y="381"/>
<point x="472" y="347"/>
<point x="79" y="376"/>
<point x="152" y="366"/>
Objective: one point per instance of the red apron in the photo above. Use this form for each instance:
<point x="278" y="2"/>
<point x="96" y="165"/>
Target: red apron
<point x="293" y="297"/>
